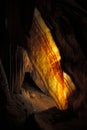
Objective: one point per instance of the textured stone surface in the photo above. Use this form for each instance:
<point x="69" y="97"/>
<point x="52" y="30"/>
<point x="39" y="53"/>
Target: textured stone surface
<point x="17" y="112"/>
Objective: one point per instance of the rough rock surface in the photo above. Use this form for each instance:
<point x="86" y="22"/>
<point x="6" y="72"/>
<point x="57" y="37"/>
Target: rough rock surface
<point x="18" y="113"/>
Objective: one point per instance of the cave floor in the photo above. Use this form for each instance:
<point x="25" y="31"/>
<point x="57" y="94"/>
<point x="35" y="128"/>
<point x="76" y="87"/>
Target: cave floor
<point x="48" y="117"/>
<point x="42" y="112"/>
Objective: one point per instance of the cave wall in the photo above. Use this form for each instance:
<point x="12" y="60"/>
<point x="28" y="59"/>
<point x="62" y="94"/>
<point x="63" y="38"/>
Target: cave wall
<point x="74" y="62"/>
<point x="74" y="11"/>
<point x="16" y="19"/>
<point x="67" y="21"/>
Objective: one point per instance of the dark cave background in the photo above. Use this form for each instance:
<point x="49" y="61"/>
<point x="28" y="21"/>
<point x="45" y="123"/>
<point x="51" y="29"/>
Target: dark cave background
<point x="67" y="19"/>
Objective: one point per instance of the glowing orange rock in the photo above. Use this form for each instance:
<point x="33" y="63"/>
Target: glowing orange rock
<point x="46" y="61"/>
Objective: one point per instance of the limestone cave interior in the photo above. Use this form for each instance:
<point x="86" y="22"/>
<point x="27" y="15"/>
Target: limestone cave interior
<point x="43" y="64"/>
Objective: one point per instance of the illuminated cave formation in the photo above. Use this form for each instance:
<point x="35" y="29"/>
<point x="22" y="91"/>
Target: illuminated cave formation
<point x="48" y="67"/>
<point x="44" y="64"/>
